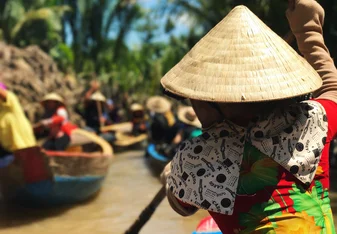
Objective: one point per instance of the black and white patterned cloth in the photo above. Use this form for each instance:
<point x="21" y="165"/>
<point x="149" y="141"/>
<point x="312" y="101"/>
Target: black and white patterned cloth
<point x="206" y="169"/>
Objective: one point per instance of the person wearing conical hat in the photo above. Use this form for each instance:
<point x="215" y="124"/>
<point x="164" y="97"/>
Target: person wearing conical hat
<point x="113" y="111"/>
<point x="261" y="164"/>
<point x="138" y="119"/>
<point x="94" y="108"/>
<point x="56" y="120"/>
<point x="164" y="126"/>
<point x="158" y="104"/>
<point x="191" y="125"/>
<point x="95" y="113"/>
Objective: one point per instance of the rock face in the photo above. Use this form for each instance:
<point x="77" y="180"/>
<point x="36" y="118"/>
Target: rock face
<point x="30" y="74"/>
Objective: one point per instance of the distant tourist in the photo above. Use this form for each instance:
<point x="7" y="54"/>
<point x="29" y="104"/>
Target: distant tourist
<point x="95" y="114"/>
<point x="138" y="119"/>
<point x="56" y="120"/>
<point x="164" y="126"/>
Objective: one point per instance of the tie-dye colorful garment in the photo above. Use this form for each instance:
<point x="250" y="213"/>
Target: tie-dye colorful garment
<point x="277" y="181"/>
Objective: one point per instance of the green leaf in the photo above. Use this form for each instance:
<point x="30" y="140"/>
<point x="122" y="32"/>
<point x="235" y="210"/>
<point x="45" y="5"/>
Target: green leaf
<point x="315" y="203"/>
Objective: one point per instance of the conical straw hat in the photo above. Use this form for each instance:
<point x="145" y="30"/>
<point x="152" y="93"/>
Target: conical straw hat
<point x="53" y="97"/>
<point x="241" y="60"/>
<point x="98" y="96"/>
<point x="158" y="104"/>
<point x="187" y="115"/>
<point x="136" y="107"/>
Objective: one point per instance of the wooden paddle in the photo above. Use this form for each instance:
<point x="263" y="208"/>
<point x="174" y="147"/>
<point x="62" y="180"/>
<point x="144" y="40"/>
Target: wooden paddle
<point x="147" y="212"/>
<point x="118" y="127"/>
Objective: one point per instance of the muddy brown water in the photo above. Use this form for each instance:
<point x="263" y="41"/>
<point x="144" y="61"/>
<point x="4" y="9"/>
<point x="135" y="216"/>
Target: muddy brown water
<point x="129" y="187"/>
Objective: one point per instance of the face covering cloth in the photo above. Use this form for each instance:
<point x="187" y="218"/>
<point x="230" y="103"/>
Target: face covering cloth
<point x="206" y="169"/>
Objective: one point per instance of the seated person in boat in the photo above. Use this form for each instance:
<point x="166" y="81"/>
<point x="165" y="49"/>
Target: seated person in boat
<point x="261" y="164"/>
<point x="16" y="131"/>
<point x="56" y="120"/>
<point x="94" y="113"/>
<point x="138" y="119"/>
<point x="164" y="126"/>
<point x="191" y="126"/>
<point x="112" y="112"/>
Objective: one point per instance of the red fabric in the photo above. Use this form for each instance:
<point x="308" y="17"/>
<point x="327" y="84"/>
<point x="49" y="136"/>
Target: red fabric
<point x="68" y="127"/>
<point x="61" y="123"/>
<point x="207" y="225"/>
<point x="33" y="164"/>
<point x="331" y="112"/>
<point x="57" y="120"/>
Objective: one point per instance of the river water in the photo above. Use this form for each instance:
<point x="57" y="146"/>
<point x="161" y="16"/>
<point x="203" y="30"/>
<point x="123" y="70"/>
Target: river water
<point x="129" y="187"/>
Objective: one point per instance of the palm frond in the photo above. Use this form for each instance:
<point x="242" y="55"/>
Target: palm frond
<point x="52" y="16"/>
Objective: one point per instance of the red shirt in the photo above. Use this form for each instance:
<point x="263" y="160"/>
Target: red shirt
<point x="60" y="122"/>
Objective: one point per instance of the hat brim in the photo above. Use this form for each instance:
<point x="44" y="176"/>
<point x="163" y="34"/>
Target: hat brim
<point x="241" y="60"/>
<point x="182" y="117"/>
<point x="43" y="102"/>
<point x="163" y="107"/>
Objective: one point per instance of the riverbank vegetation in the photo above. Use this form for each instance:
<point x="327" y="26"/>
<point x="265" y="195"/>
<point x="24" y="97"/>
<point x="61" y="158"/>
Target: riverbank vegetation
<point x="129" y="44"/>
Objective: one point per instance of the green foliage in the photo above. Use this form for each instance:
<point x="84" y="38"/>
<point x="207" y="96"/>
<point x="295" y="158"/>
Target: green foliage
<point x="64" y="56"/>
<point x="88" y="36"/>
<point x="32" y="22"/>
<point x="42" y="27"/>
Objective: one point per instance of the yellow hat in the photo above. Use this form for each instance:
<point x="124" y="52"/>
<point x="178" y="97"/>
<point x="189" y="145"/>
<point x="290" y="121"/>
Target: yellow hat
<point x="98" y="97"/>
<point x="241" y="60"/>
<point x="187" y="115"/>
<point x="158" y="104"/>
<point x="53" y="97"/>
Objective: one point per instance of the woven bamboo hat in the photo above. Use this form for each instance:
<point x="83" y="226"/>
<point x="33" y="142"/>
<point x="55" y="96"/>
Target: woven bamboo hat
<point x="241" y="60"/>
<point x="187" y="115"/>
<point x="136" y="107"/>
<point x="158" y="104"/>
<point x="98" y="97"/>
<point x="52" y="97"/>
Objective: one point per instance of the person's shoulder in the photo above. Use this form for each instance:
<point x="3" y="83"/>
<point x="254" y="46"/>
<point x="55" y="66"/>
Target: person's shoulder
<point x="330" y="108"/>
<point x="10" y="94"/>
<point x="11" y="99"/>
<point x="327" y="104"/>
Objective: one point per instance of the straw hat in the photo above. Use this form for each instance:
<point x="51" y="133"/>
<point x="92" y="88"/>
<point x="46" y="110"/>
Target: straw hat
<point x="98" y="97"/>
<point x="136" y="107"/>
<point x="187" y="115"/>
<point x="158" y="104"/>
<point x="53" y="97"/>
<point x="241" y="60"/>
